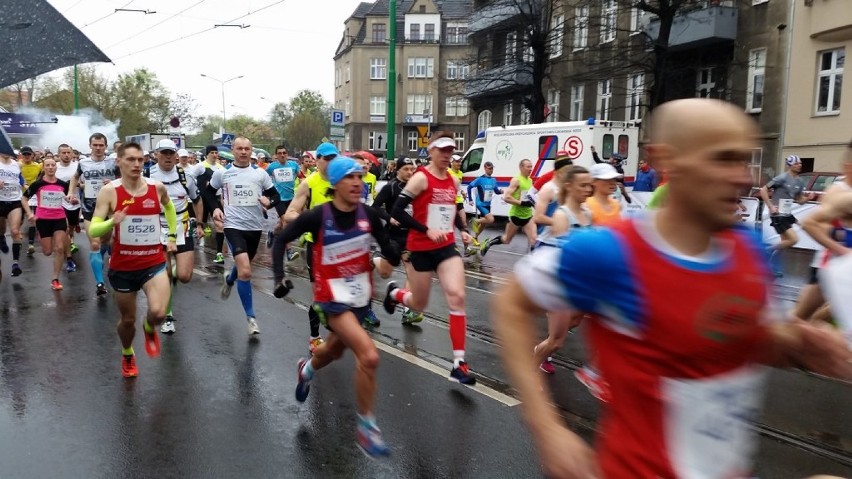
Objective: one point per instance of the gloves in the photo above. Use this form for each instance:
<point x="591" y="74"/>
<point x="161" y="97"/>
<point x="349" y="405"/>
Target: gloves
<point x="282" y="288"/>
<point x="527" y="203"/>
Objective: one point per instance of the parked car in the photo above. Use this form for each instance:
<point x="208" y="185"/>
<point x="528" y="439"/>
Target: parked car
<point x="818" y="181"/>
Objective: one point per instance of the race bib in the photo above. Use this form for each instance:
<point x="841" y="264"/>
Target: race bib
<point x="440" y="217"/>
<point x="353" y="291"/>
<point x="140" y="230"/>
<point x="836" y="278"/>
<point x="181" y="233"/>
<point x="708" y="423"/>
<point x="487" y="195"/>
<point x="244" y="195"/>
<point x="51" y="199"/>
<point x="785" y="207"/>
<point x="283" y="175"/>
<point x="91" y="188"/>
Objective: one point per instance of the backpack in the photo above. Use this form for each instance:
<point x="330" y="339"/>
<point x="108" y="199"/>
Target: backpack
<point x="181" y="177"/>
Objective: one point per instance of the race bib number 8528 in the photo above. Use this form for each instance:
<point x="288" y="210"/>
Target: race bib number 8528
<point x="140" y="230"/>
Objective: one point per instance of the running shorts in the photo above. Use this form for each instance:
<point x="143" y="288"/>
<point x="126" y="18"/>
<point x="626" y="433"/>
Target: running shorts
<point x="73" y="217"/>
<point x="281" y="207"/>
<point x="484" y="209"/>
<point x="132" y="281"/>
<point x="519" y="222"/>
<point x="331" y="308"/>
<point x="7" y="207"/>
<point x="46" y="228"/>
<point x="424" y="261"/>
<point x="240" y="241"/>
<point x="782" y="223"/>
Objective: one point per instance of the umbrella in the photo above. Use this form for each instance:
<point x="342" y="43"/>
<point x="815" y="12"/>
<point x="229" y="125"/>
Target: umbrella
<point x="369" y="156"/>
<point x="226" y="155"/>
<point x="6" y="147"/>
<point x="37" y="39"/>
<point x="223" y="148"/>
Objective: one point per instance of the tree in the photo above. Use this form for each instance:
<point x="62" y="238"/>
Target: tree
<point x="306" y="130"/>
<point x="279" y="117"/>
<point x="184" y="107"/>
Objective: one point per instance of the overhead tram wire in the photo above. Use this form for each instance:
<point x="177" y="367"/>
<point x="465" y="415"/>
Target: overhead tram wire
<point x="107" y="15"/>
<point x="146" y="30"/>
<point x="169" y="42"/>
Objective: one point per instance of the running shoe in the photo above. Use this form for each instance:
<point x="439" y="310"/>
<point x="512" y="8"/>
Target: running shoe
<point x="475" y="241"/>
<point x="389" y="303"/>
<point x="73" y="248"/>
<point x="483" y="250"/>
<point x="313" y="344"/>
<point x="253" y="330"/>
<point x="595" y="384"/>
<point x="303" y="386"/>
<point x="152" y="342"/>
<point x="70" y="266"/>
<point x="547" y="366"/>
<point x="270" y="238"/>
<point x="371" y="319"/>
<point x="370" y="441"/>
<point x="476" y="227"/>
<point x="469" y="251"/>
<point x="461" y="374"/>
<point x="225" y="292"/>
<point x="16" y="270"/>
<point x="168" y="326"/>
<point x="77" y="229"/>
<point x="56" y="285"/>
<point x="219" y="259"/>
<point x="409" y="316"/>
<point x="101" y="289"/>
<point x="292" y="254"/>
<point x="30" y="250"/>
<point x="303" y="240"/>
<point x="128" y="366"/>
<point x="207" y="230"/>
<point x="4" y="246"/>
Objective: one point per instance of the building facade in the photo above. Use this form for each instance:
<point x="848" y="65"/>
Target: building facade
<point x="817" y="123"/>
<point x="432" y="46"/>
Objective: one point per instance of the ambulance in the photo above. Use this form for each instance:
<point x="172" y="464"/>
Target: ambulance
<point x="506" y="146"/>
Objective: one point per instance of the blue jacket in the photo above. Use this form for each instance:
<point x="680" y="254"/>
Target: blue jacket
<point x="645" y="180"/>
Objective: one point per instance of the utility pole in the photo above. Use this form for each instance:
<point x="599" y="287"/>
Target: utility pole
<point x="391" y="102"/>
<point x="76" y="92"/>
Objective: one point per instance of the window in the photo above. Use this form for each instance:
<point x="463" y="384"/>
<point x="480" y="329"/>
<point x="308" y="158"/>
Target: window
<point x="412" y="140"/>
<point x="609" y="16"/>
<point x="635" y="94"/>
<point x="529" y="54"/>
<point x="456" y="33"/>
<point x="577" y="92"/>
<point x="756" y="76"/>
<point x="419" y="104"/>
<point x="457" y="70"/>
<point x="552" y="112"/>
<point x="347" y="109"/>
<point x="705" y="83"/>
<point x="526" y="116"/>
<point x="484" y="120"/>
<point x="557" y="35"/>
<point x="581" y="27"/>
<point x="456" y="106"/>
<point x="414" y="32"/>
<point x="511" y="47"/>
<point x="378" y="106"/>
<point x="347" y="73"/>
<point x="459" y="137"/>
<point x="421" y="67"/>
<point x="829" y="81"/>
<point x="507" y="113"/>
<point x="379" y="33"/>
<point x="337" y="77"/>
<point x="429" y="32"/>
<point x="604" y="100"/>
<point x="636" y="20"/>
<point x="378" y="69"/>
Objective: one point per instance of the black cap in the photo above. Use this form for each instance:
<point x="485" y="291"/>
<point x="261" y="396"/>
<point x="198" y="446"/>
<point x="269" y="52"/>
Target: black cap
<point x="404" y="162"/>
<point x="26" y="149"/>
<point x="209" y="149"/>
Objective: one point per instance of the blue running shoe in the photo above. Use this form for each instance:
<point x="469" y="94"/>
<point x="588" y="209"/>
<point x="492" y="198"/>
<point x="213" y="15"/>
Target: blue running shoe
<point x="70" y="266"/>
<point x="370" y="441"/>
<point x="371" y="319"/>
<point x="303" y="386"/>
<point x="461" y="375"/>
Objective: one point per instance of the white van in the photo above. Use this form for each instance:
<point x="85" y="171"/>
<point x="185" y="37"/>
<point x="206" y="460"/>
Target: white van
<point x="506" y="146"/>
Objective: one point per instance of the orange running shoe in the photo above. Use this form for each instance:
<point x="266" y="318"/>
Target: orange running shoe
<point x="56" y="285"/>
<point x="128" y="366"/>
<point x="152" y="342"/>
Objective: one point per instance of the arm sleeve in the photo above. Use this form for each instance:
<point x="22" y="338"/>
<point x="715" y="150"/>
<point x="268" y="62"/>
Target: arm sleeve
<point x="403" y="217"/>
<point x="470" y="187"/>
<point x="99" y="227"/>
<point x="171" y="217"/>
<point x="383" y="197"/>
<point x="209" y="193"/>
<point x="309" y="221"/>
<point x="272" y="194"/>
<point x="380" y="233"/>
<point x="32" y="189"/>
<point x="596" y="157"/>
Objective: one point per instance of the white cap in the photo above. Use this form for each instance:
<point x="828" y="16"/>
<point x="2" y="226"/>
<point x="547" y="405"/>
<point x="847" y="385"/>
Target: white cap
<point x="166" y="144"/>
<point x="253" y="156"/>
<point x="146" y="153"/>
<point x="604" y="171"/>
<point x="182" y="152"/>
<point x="442" y="142"/>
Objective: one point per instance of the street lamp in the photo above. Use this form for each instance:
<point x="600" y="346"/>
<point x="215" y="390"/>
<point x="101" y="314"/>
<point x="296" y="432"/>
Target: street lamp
<point x="222" y="83"/>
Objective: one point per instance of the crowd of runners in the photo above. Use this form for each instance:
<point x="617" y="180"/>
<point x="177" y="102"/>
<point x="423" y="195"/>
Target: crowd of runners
<point x="674" y="301"/>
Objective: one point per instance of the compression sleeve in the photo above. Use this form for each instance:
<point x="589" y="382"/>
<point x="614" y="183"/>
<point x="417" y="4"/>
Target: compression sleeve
<point x="460" y="224"/>
<point x="99" y="227"/>
<point x="405" y="219"/>
<point x="308" y="222"/>
<point x="389" y="252"/>
<point x="274" y="197"/>
<point x="171" y="217"/>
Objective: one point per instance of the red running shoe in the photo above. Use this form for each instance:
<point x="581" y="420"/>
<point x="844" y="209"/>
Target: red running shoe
<point x="152" y="342"/>
<point x="128" y="366"/>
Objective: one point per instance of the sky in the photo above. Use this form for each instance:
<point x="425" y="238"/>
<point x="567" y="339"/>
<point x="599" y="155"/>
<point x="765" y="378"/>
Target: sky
<point x="288" y="47"/>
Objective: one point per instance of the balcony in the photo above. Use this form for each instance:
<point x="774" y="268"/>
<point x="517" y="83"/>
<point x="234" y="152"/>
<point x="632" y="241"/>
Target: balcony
<point x="829" y="21"/>
<point x="499" y="81"/>
<point x="492" y="15"/>
<point x="698" y="28"/>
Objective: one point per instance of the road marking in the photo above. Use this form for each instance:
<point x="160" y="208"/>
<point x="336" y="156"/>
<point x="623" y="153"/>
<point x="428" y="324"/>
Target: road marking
<point x="202" y="273"/>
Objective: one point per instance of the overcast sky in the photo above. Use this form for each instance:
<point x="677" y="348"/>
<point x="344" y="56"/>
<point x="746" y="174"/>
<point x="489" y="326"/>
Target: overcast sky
<point x="288" y="47"/>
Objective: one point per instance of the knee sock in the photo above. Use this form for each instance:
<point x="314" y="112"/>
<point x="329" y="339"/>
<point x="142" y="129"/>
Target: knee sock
<point x="31" y="233"/>
<point x="97" y="263"/>
<point x="16" y="250"/>
<point x="232" y="276"/>
<point x="220" y="241"/>
<point x="244" y="288"/>
<point x="401" y="295"/>
<point x="458" y="325"/>
<point x="314" y="319"/>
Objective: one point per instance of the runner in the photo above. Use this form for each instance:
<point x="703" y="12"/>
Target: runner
<point x="486" y="188"/>
<point x="92" y="174"/>
<point x="605" y="209"/>
<point x="308" y="166"/>
<point x="664" y="292"/>
<point x="455" y="170"/>
<point x="311" y="192"/>
<point x="174" y="178"/>
<point x="65" y="170"/>
<point x="520" y="211"/>
<point x="787" y="188"/>
<point x="370" y="190"/>
<point x="547" y="199"/>
<point x="203" y="172"/>
<point x="138" y="261"/>
<point x="246" y="192"/>
<point x="284" y="173"/>
<point x="432" y="193"/>
<point x="30" y="170"/>
<point x="342" y="229"/>
<point x="49" y="217"/>
<point x="11" y="212"/>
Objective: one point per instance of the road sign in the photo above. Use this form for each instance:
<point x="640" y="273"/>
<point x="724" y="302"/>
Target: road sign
<point x="422" y="153"/>
<point x="422" y="136"/>
<point x="336" y="133"/>
<point x="227" y="139"/>
<point x="337" y="117"/>
<point x="574" y="146"/>
<point x="176" y="139"/>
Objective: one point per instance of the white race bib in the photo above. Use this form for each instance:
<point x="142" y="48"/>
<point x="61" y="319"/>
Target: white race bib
<point x="91" y="188"/>
<point x="51" y="199"/>
<point x="440" y="217"/>
<point x="283" y="175"/>
<point x="708" y="423"/>
<point x="181" y="233"/>
<point x="353" y="291"/>
<point x="487" y="195"/>
<point x="836" y="278"/>
<point x="244" y="195"/>
<point x="138" y="230"/>
<point x="785" y="207"/>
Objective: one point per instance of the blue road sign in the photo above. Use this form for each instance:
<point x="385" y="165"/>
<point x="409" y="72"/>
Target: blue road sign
<point x="422" y="153"/>
<point x="227" y="139"/>
<point x="337" y="117"/>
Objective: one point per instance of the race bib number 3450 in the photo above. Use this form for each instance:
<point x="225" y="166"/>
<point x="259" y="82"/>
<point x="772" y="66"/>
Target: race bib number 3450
<point x="244" y="195"/>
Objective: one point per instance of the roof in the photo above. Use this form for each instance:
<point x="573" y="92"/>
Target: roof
<point x="361" y="10"/>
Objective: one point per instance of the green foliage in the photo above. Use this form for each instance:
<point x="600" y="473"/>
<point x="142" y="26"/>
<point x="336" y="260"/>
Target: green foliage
<point x="305" y="130"/>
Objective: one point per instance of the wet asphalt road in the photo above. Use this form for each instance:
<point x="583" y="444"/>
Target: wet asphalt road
<point x="217" y="404"/>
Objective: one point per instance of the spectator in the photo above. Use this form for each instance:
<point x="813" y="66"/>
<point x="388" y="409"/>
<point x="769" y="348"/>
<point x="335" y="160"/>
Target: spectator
<point x="646" y="177"/>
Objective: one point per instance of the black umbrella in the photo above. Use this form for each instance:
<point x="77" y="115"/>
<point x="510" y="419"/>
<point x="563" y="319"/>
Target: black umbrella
<point x="37" y="39"/>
